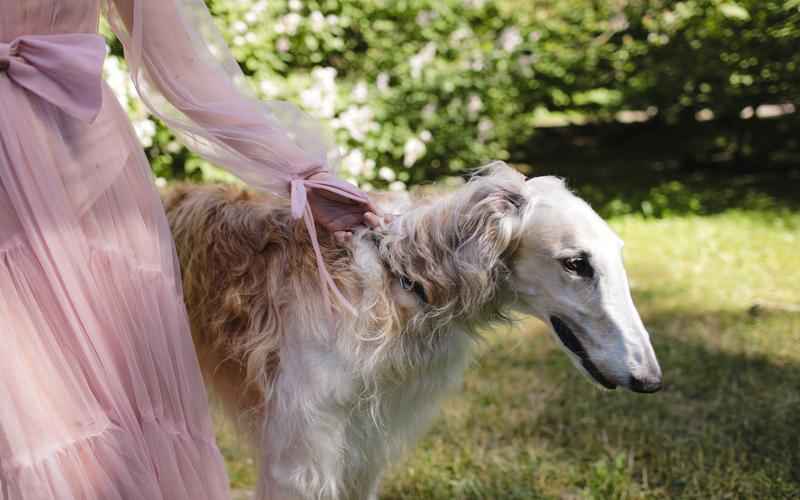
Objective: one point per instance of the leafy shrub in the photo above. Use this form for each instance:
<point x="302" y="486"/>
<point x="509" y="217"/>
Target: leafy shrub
<point x="419" y="89"/>
<point x="719" y="55"/>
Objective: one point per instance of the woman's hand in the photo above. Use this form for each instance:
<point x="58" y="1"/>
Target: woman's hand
<point x="370" y="219"/>
<point x="341" y="215"/>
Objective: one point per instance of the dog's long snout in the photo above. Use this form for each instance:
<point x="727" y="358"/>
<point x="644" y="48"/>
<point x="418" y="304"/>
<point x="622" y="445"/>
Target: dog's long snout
<point x="644" y="371"/>
<point x="647" y="381"/>
<point x="646" y="384"/>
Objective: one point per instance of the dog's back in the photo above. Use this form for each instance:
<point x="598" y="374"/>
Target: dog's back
<point x="239" y="253"/>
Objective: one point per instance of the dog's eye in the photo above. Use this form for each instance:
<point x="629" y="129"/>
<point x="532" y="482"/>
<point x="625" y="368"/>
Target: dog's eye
<point x="406" y="283"/>
<point x="578" y="265"/>
<point x="416" y="288"/>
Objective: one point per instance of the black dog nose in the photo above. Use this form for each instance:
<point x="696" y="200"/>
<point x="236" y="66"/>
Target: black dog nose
<point x="645" y="384"/>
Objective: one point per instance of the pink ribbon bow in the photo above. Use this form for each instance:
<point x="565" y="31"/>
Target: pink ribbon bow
<point x="301" y="208"/>
<point x="64" y="70"/>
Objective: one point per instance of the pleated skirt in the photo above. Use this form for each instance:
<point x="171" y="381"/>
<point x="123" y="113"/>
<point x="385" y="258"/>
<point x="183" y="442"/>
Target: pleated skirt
<point x="101" y="396"/>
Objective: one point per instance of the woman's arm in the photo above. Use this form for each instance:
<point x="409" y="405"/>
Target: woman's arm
<point x="186" y="76"/>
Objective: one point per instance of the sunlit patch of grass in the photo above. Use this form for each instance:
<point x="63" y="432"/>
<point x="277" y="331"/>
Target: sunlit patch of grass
<point x="238" y="457"/>
<point x="527" y="425"/>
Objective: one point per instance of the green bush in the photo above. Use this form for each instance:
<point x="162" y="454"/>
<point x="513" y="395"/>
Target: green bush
<point x="718" y="55"/>
<point x="419" y="89"/>
<point x="414" y="89"/>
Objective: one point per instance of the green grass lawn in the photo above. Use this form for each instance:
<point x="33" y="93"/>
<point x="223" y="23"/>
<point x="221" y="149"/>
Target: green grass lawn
<point x="726" y="425"/>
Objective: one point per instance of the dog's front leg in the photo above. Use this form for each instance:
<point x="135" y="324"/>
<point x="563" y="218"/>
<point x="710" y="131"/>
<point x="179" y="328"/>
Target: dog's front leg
<point x="375" y="489"/>
<point x="301" y="473"/>
<point x="273" y="490"/>
<point x="306" y="453"/>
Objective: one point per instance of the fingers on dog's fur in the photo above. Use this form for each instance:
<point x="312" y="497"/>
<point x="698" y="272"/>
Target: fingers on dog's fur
<point x="343" y="237"/>
<point x="373" y="220"/>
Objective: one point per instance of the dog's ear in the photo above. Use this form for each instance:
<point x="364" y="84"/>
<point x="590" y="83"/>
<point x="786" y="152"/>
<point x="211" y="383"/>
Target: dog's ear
<point x="500" y="193"/>
<point x="504" y="201"/>
<point x="490" y="218"/>
<point x="501" y="186"/>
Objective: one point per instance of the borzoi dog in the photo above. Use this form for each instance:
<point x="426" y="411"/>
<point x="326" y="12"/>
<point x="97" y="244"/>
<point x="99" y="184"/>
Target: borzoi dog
<point x="331" y="400"/>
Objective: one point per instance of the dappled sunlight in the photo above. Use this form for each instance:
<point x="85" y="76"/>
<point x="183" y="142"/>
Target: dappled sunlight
<point x="733" y="260"/>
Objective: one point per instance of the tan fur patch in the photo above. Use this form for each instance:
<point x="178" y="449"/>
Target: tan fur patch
<point x="244" y="261"/>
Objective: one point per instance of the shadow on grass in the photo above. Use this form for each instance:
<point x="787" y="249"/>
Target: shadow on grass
<point x="726" y="424"/>
<point x="528" y="426"/>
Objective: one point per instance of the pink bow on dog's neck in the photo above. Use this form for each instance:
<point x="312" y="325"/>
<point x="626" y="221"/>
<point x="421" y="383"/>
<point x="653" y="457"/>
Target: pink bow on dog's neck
<point x="301" y="209"/>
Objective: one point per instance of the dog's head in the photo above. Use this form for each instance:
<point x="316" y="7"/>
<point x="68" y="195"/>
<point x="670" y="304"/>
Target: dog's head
<point x="502" y="242"/>
<point x="568" y="271"/>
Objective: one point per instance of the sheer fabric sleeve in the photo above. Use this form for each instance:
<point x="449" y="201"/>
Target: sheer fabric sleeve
<point x="185" y="75"/>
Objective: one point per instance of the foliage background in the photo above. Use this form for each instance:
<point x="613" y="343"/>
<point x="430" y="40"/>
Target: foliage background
<point x="417" y="90"/>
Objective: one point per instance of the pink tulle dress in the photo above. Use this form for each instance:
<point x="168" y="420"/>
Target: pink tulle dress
<point x="100" y="392"/>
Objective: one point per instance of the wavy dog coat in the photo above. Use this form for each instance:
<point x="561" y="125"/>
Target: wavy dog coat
<point x="330" y="399"/>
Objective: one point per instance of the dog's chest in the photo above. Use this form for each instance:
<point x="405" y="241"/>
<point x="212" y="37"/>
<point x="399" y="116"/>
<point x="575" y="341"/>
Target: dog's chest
<point x="355" y="420"/>
<point x="387" y="418"/>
